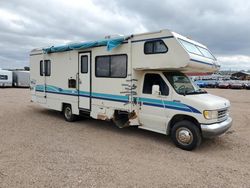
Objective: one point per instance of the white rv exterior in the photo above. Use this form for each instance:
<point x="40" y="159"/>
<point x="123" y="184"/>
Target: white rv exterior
<point x="5" y="78"/>
<point x="140" y="83"/>
<point x="21" y="78"/>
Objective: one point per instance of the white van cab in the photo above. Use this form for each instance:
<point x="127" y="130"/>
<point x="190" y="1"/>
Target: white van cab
<point x="136" y="80"/>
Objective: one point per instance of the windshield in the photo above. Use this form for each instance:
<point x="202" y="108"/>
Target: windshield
<point x="182" y="84"/>
<point x="195" y="49"/>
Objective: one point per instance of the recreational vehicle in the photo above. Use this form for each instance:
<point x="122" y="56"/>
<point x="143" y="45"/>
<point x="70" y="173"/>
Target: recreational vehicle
<point x="136" y="80"/>
<point x="5" y="78"/>
<point x="21" y="78"/>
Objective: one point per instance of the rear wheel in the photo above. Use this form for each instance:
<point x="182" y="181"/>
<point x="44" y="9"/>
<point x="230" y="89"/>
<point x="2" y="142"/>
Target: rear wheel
<point x="186" y="135"/>
<point x="68" y="114"/>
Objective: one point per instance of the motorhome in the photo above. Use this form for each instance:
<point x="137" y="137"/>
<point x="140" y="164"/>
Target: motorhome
<point x="136" y="80"/>
<point x="21" y="78"/>
<point x="5" y="78"/>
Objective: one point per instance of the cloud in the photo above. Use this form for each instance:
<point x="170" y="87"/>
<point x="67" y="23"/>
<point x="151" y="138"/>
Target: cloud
<point x="236" y="62"/>
<point x="26" y="24"/>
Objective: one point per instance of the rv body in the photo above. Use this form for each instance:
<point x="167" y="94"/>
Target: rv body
<point x="21" y="78"/>
<point x="5" y="78"/>
<point x="140" y="83"/>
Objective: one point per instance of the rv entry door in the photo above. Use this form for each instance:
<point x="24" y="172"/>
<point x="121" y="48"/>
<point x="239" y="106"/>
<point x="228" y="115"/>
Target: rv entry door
<point x="84" y="80"/>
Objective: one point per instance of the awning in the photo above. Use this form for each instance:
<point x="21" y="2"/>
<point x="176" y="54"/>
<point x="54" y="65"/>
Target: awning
<point x="110" y="43"/>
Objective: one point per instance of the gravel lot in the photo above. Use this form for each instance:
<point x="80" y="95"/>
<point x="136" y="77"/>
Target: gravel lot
<point x="39" y="149"/>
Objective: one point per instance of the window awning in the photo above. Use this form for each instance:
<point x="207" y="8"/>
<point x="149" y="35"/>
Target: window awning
<point x="110" y="43"/>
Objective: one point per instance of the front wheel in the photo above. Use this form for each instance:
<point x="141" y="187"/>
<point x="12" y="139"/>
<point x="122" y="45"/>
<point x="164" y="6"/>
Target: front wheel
<point x="186" y="135"/>
<point x="68" y="114"/>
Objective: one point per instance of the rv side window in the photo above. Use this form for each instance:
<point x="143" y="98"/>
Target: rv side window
<point x="118" y="66"/>
<point x="114" y="66"/>
<point x="3" y="77"/>
<point x="155" y="47"/>
<point x="41" y="68"/>
<point x="47" y="65"/>
<point x="102" y="66"/>
<point x="154" y="79"/>
<point x="84" y="64"/>
<point x="45" y="68"/>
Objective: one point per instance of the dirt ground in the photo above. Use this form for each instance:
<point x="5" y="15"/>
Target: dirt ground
<point x="39" y="149"/>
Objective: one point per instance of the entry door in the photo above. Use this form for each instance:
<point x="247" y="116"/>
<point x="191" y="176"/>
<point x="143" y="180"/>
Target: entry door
<point x="153" y="114"/>
<point x="84" y="80"/>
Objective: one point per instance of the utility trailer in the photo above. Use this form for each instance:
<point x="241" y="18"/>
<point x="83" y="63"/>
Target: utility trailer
<point x="136" y="80"/>
<point x="21" y="78"/>
<point x="5" y="78"/>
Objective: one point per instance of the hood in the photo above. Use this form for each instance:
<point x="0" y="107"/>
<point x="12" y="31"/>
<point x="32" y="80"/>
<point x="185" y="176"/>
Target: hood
<point x="207" y="101"/>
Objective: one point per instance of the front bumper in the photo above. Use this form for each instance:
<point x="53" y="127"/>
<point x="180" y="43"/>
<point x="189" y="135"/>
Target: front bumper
<point x="216" y="129"/>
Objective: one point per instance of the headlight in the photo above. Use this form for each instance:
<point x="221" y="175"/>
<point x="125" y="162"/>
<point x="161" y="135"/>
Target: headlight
<point x="210" y="114"/>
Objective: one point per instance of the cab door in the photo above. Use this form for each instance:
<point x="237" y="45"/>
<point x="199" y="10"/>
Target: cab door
<point x="84" y="79"/>
<point x="152" y="111"/>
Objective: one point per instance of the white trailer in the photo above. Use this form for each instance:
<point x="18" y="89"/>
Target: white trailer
<point x="21" y="78"/>
<point x="138" y="80"/>
<point x="5" y="78"/>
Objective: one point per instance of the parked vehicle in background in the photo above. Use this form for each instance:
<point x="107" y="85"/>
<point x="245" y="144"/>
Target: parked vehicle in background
<point x="247" y="85"/>
<point x="211" y="83"/>
<point x="236" y="85"/>
<point x="201" y="83"/>
<point x="21" y="78"/>
<point x="5" y="78"/>
<point x="224" y="84"/>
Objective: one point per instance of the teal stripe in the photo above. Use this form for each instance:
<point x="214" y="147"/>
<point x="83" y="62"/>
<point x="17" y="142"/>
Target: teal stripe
<point x="161" y="102"/>
<point x="109" y="96"/>
<point x="120" y="98"/>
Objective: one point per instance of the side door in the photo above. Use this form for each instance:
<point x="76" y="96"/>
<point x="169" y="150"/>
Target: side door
<point x="41" y="86"/>
<point x="84" y="80"/>
<point x="153" y="112"/>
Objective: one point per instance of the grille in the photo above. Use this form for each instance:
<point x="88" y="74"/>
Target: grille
<point x="222" y="114"/>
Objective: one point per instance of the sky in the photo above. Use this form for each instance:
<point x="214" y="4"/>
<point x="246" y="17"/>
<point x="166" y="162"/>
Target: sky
<point x="222" y="25"/>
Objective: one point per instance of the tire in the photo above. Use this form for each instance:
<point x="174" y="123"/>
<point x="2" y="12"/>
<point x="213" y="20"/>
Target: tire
<point x="186" y="135"/>
<point x="68" y="114"/>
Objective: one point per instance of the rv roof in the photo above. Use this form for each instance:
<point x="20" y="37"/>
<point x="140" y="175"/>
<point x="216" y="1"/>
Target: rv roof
<point x="109" y="42"/>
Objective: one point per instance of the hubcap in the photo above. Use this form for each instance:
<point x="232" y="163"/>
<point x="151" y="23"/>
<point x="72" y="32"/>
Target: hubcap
<point x="68" y="113"/>
<point x="184" y="136"/>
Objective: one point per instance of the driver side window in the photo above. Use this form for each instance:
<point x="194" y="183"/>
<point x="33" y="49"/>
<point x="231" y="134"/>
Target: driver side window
<point x="154" y="79"/>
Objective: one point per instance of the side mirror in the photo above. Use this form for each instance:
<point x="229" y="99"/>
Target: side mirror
<point x="156" y="90"/>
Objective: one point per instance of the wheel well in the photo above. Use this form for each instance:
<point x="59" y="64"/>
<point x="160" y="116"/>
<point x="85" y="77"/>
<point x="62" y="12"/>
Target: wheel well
<point x="181" y="117"/>
<point x="64" y="105"/>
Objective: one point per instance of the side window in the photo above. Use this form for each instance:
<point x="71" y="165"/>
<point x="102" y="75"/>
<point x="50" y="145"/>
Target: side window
<point x="3" y="77"/>
<point x="45" y="68"/>
<point x="155" y="47"/>
<point x="154" y="79"/>
<point x="118" y="66"/>
<point x="84" y="64"/>
<point x="41" y="68"/>
<point x="114" y="66"/>
<point x="102" y="68"/>
<point x="47" y="65"/>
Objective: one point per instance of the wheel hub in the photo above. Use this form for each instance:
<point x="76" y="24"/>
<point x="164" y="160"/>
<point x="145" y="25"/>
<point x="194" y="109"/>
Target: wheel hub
<point x="68" y="113"/>
<point x="184" y="136"/>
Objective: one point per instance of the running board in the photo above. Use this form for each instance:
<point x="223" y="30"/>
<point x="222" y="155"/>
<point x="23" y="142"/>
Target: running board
<point x="84" y="112"/>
